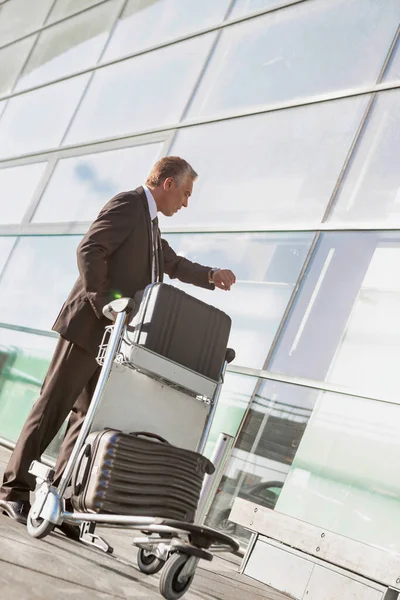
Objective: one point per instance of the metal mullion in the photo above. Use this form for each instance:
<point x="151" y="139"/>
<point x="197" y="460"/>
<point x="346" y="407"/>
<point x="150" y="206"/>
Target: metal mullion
<point x="360" y="130"/>
<point x="112" y="30"/>
<point x="266" y="109"/>
<point x="199" y="79"/>
<point x="222" y="24"/>
<point x="90" y="79"/>
<point x="277" y="335"/>
<point x="314" y="384"/>
<point x="48" y="25"/>
<point x="38" y="229"/>
<point x="37" y="196"/>
<point x="62" y="228"/>
<point x="30" y="330"/>
<point x="83" y="149"/>
<point x="3" y="270"/>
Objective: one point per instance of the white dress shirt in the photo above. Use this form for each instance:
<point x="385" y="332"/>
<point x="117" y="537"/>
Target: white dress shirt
<point x="153" y="213"/>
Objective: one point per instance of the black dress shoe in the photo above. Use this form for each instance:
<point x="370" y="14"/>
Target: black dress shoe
<point x="16" y="509"/>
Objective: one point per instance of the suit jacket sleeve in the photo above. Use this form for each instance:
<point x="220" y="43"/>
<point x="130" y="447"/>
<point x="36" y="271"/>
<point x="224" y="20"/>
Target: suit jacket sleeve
<point x="185" y="270"/>
<point x="114" y="223"/>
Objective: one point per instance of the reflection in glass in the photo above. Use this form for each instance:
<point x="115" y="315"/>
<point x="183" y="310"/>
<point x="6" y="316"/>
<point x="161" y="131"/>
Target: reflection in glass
<point x="371" y="187"/>
<point x="156" y="21"/>
<point x="80" y="186"/>
<point x="267" y="267"/>
<point x="144" y="92"/>
<point x="65" y="8"/>
<point x="19" y="17"/>
<point x="270" y="170"/>
<point x="265" y="449"/>
<point x="344" y="477"/>
<point x="6" y="245"/>
<point x="300" y="51"/>
<point x="71" y="46"/>
<point x="344" y="326"/>
<point x="37" y="280"/>
<point x="232" y="404"/>
<point x="12" y="59"/>
<point x="24" y="359"/>
<point x="17" y="185"/>
<point x="38" y="119"/>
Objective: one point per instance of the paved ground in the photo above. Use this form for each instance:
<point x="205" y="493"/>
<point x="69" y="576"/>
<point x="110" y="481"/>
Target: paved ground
<point x="57" y="567"/>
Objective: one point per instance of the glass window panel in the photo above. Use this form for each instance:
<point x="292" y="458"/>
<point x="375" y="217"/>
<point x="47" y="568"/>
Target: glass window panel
<point x="344" y="326"/>
<point x="245" y="7"/>
<point x="310" y="48"/>
<point x="232" y="404"/>
<point x="265" y="449"/>
<point x="70" y="46"/>
<point x="157" y="21"/>
<point x="37" y="120"/>
<point x="19" y="17"/>
<point x="145" y="92"/>
<point x="17" y="185"/>
<point x="393" y="71"/>
<point x="371" y="187"/>
<point x="344" y="477"/>
<point x="267" y="268"/>
<point x="65" y="8"/>
<point x="276" y="169"/>
<point x="81" y="185"/>
<point x="12" y="59"/>
<point x="37" y="280"/>
<point x="24" y="359"/>
<point x="6" y="245"/>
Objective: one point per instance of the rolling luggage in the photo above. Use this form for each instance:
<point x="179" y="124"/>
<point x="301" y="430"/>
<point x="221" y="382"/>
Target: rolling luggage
<point x="181" y="328"/>
<point x="138" y="474"/>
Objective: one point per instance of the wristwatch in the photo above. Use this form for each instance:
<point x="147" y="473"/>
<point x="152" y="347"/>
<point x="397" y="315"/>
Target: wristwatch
<point x="212" y="273"/>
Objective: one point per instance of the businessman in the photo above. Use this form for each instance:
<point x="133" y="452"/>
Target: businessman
<point x="121" y="253"/>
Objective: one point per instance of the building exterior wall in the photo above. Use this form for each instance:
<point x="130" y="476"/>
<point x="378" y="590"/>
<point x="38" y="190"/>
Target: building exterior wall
<point x="289" y="110"/>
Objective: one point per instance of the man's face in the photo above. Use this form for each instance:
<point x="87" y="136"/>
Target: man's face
<point x="175" y="196"/>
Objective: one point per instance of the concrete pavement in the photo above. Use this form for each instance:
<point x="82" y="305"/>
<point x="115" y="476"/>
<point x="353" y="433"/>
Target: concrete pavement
<point x="56" y="567"/>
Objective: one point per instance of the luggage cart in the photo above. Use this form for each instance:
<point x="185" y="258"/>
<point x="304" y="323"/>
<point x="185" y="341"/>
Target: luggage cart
<point x="173" y="546"/>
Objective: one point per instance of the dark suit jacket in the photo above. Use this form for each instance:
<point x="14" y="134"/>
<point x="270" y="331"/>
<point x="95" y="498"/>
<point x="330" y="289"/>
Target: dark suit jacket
<point x="114" y="257"/>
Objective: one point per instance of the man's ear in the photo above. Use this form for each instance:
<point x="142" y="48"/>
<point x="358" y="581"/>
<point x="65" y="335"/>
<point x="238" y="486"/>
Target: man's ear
<point x="168" y="183"/>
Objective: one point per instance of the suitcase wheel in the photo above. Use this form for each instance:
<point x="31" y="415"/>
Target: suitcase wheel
<point x="148" y="563"/>
<point x="171" y="587"/>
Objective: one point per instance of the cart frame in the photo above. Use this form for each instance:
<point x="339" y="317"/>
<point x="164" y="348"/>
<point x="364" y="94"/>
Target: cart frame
<point x="176" y="544"/>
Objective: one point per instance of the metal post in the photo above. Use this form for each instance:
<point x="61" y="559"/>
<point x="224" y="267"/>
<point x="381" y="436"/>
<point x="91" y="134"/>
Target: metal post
<point x="207" y="428"/>
<point x="219" y="459"/>
<point x="112" y="349"/>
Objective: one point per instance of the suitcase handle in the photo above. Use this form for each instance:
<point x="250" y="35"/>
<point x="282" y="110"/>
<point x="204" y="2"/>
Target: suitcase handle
<point x="77" y="487"/>
<point x="150" y="435"/>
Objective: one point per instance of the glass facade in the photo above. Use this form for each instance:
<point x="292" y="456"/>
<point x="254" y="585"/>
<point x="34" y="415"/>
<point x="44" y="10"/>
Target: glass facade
<point x="290" y="113"/>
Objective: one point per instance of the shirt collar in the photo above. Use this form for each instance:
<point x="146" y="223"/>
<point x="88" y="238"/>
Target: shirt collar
<point x="151" y="202"/>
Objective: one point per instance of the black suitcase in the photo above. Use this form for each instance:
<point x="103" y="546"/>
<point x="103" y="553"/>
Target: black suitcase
<point x="182" y="329"/>
<point x="138" y="474"/>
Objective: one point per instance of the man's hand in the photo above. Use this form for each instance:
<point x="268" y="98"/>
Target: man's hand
<point x="224" y="279"/>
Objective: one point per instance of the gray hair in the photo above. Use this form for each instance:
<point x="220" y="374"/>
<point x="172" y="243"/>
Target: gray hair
<point x="170" y="166"/>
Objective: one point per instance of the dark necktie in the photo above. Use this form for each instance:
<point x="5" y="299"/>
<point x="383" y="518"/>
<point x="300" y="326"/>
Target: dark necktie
<point x="156" y="270"/>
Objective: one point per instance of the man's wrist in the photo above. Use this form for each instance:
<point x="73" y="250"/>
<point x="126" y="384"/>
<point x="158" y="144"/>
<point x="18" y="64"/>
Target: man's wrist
<point x="211" y="274"/>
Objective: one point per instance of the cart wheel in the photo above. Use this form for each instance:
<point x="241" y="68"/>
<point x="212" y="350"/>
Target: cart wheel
<point x="170" y="587"/>
<point x="38" y="528"/>
<point x="148" y="563"/>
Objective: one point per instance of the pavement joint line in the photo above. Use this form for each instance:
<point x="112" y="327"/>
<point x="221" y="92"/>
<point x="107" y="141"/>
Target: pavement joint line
<point x="80" y="585"/>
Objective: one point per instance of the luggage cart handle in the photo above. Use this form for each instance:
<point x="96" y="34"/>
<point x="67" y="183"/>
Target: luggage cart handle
<point x="230" y="355"/>
<point x="118" y="306"/>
